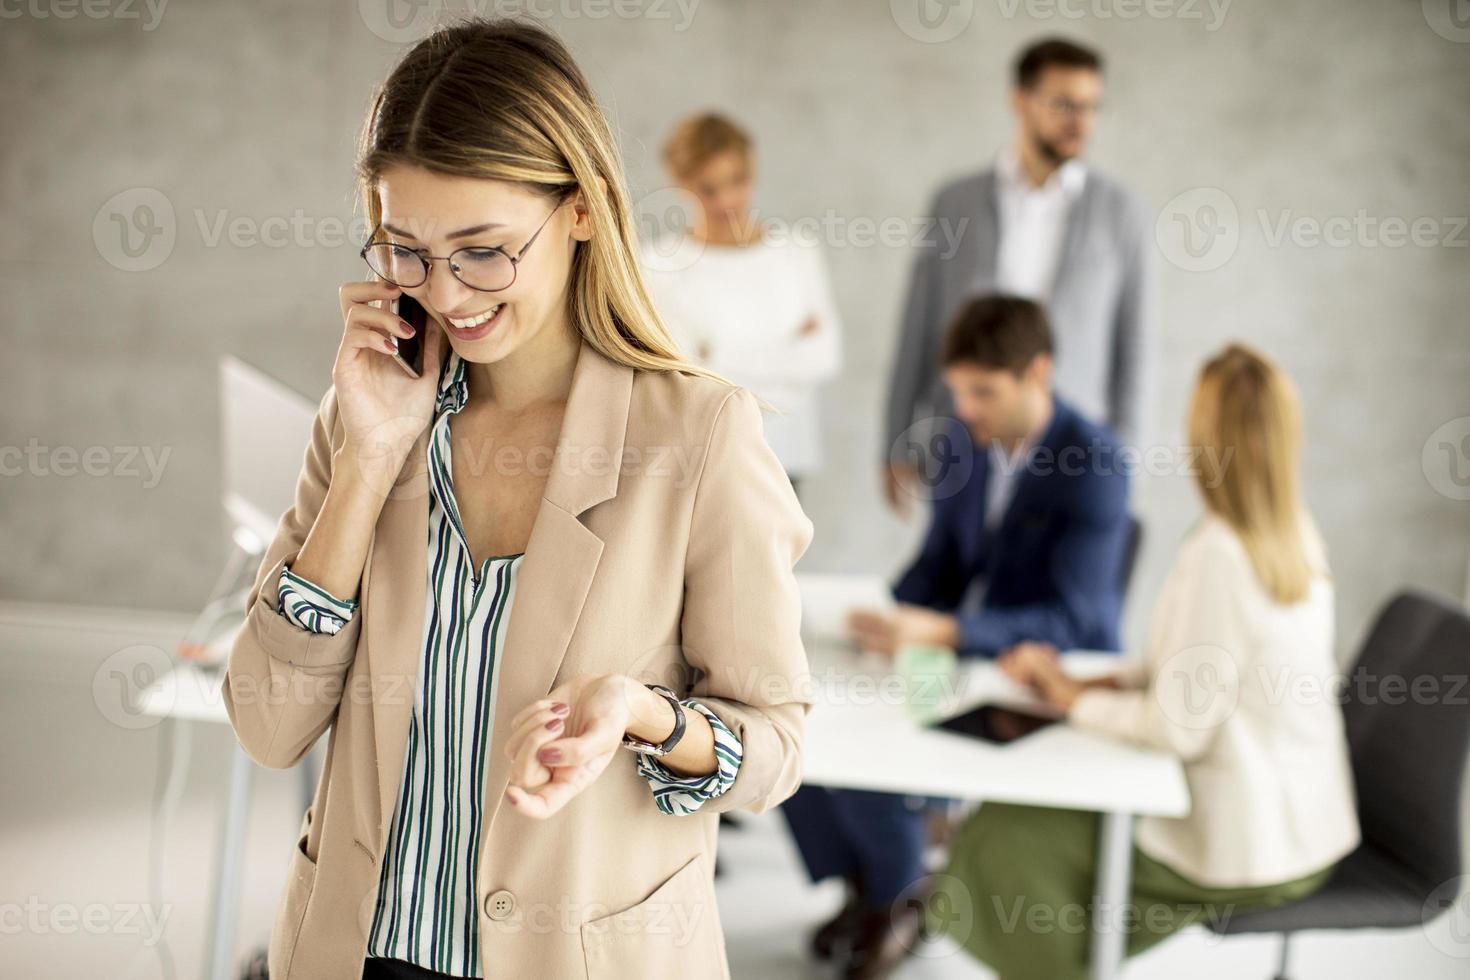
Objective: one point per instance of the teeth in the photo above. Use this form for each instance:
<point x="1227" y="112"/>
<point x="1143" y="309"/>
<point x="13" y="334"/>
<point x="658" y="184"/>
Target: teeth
<point x="475" y="321"/>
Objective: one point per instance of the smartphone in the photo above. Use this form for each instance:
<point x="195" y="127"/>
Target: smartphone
<point x="410" y="354"/>
<point x="995" y="723"/>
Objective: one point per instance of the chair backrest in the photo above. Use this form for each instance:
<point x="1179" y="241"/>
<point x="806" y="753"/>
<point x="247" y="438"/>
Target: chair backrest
<point x="1130" y="554"/>
<point x="1407" y="712"/>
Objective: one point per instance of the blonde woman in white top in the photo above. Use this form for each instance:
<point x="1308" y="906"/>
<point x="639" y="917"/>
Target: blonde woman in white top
<point x="1235" y="680"/>
<point x="748" y="299"/>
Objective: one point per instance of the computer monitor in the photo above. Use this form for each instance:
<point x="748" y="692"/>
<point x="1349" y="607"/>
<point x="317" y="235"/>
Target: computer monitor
<point x="265" y="429"/>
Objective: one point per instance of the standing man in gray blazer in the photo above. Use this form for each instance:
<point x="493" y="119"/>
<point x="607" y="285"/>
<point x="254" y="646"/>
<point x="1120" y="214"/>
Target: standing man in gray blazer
<point x="1042" y="224"/>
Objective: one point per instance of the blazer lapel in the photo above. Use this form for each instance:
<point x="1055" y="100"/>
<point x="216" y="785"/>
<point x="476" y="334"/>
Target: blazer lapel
<point x="552" y="584"/>
<point x="562" y="554"/>
<point x="1068" y="263"/>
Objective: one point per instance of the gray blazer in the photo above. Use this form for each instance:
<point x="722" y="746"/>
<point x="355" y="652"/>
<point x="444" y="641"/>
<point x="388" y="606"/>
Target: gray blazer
<point x="1100" y="308"/>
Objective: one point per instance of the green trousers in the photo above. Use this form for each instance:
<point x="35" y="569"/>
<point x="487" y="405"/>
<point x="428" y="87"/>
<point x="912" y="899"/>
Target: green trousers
<point x="1017" y="893"/>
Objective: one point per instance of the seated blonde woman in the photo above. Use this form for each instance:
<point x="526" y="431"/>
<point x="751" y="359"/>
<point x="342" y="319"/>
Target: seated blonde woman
<point x="1244" y="618"/>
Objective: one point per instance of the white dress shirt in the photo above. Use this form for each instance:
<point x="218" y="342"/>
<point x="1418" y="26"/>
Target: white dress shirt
<point x="1033" y="225"/>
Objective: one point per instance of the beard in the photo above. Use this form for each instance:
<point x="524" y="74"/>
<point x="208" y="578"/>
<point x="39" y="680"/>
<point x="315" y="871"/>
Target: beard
<point x="1051" y="151"/>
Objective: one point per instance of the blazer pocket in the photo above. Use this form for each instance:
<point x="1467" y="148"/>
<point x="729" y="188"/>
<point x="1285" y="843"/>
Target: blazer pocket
<point x="673" y="934"/>
<point x="291" y="910"/>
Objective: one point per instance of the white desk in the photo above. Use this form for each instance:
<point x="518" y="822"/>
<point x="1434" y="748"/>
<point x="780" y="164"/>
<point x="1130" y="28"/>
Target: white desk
<point x="188" y="694"/>
<point x="864" y="733"/>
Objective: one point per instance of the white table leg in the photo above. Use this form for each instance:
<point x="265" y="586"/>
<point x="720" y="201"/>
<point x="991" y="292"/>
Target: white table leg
<point x="227" y="872"/>
<point x="1114" y="877"/>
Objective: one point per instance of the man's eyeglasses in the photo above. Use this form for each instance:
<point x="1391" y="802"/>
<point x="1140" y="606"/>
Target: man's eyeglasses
<point x="1063" y="106"/>
<point x="488" y="270"/>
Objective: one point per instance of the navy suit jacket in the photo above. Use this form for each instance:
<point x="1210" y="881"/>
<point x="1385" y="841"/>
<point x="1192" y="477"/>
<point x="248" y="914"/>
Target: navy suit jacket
<point x="1054" y="564"/>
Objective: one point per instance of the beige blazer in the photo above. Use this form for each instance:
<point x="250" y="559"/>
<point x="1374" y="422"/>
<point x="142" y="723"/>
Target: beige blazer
<point x="676" y="565"/>
<point x="1242" y="689"/>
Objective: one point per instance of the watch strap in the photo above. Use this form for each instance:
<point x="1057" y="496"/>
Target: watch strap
<point x="667" y="745"/>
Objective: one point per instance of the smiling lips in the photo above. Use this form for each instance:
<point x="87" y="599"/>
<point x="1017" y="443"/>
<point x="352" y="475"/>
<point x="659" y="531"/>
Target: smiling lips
<point x="475" y="327"/>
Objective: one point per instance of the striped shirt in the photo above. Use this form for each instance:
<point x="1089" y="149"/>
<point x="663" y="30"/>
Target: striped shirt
<point x="426" y="911"/>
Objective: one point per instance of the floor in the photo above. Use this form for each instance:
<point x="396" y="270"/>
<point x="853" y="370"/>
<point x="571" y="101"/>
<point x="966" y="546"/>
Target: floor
<point x="80" y="781"/>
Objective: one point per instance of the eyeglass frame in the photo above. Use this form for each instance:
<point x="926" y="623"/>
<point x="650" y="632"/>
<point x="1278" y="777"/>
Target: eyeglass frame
<point x="425" y="260"/>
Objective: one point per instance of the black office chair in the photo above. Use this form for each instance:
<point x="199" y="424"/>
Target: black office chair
<point x="1408" y="763"/>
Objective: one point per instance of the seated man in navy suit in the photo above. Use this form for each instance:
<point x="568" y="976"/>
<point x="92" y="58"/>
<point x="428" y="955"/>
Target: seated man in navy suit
<point x="1027" y="541"/>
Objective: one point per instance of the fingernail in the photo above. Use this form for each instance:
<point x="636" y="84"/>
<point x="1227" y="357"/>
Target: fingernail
<point x="558" y="708"/>
<point x="409" y="327"/>
<point x="553" y="724"/>
<point x="549" y="755"/>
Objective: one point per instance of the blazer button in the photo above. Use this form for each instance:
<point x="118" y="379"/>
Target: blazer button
<point x="499" y="905"/>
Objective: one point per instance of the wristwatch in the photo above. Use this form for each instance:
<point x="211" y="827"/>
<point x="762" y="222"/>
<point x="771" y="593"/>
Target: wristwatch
<point x="667" y="745"/>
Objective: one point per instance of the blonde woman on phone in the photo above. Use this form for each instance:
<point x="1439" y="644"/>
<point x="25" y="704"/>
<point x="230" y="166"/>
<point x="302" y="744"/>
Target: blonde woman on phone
<point x="540" y="597"/>
<point x="1245" y="614"/>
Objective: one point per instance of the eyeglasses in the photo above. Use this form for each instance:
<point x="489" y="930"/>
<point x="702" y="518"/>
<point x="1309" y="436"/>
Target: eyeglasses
<point x="1063" y="106"/>
<point x="488" y="270"/>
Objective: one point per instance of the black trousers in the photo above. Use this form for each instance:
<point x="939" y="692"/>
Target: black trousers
<point x="382" y="968"/>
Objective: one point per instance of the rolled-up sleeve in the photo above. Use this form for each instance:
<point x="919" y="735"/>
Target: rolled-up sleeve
<point x="682" y="795"/>
<point x="310" y="606"/>
<point x="741" y="624"/>
<point x="283" y="683"/>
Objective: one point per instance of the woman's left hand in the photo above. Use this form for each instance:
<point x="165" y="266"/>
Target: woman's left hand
<point x="560" y="744"/>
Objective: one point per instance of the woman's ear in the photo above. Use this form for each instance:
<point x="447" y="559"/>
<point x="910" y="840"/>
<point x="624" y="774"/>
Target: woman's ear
<point x="581" y="219"/>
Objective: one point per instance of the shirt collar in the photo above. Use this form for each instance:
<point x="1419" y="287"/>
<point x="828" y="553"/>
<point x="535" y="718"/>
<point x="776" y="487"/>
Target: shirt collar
<point x="1069" y="177"/>
<point x="454" y="388"/>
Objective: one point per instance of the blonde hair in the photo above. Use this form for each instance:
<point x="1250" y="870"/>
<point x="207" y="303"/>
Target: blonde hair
<point x="700" y="138"/>
<point x="502" y="99"/>
<point x="1244" y="416"/>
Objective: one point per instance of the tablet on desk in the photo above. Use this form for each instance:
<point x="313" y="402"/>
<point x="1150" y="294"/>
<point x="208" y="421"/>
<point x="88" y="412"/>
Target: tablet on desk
<point x="996" y="723"/>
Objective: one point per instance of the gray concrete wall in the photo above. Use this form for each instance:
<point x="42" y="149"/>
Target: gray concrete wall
<point x="242" y="117"/>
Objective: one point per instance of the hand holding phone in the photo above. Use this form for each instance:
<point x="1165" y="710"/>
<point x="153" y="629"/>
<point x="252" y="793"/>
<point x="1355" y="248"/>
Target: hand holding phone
<point x="386" y="402"/>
